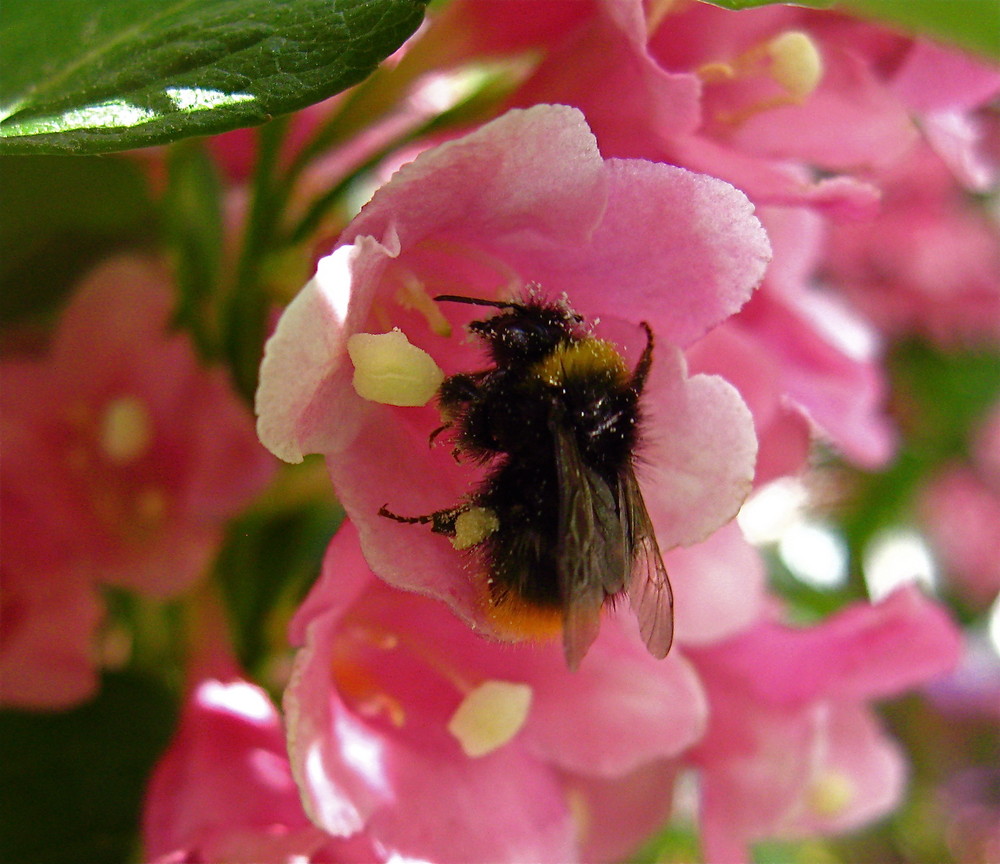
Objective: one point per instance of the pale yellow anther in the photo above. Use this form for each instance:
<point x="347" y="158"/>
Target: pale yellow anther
<point x="715" y="72"/>
<point x="389" y="370"/>
<point x="490" y="716"/>
<point x="473" y="526"/>
<point x="830" y="793"/>
<point x="126" y="430"/>
<point x="795" y="63"/>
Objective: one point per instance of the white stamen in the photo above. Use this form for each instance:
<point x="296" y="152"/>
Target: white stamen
<point x="490" y="716"/>
<point x="389" y="370"/>
<point x="795" y="63"/>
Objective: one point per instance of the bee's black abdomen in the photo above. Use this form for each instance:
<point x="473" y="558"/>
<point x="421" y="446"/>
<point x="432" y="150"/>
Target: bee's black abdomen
<point x="521" y="554"/>
<point x="555" y="420"/>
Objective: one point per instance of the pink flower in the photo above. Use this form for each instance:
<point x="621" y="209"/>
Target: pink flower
<point x="933" y="265"/>
<point x="792" y="746"/>
<point x="805" y="363"/>
<point x="123" y="458"/>
<point x="223" y="791"/>
<point x="960" y="511"/>
<point x="443" y="746"/>
<point x="752" y="97"/>
<point x="962" y="519"/>
<point x="762" y="97"/>
<point x="526" y="198"/>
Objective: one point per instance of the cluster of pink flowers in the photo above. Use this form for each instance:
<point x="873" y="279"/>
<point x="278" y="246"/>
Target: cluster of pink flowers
<point x="529" y="198"/>
<point x="123" y="459"/>
<point x="714" y="176"/>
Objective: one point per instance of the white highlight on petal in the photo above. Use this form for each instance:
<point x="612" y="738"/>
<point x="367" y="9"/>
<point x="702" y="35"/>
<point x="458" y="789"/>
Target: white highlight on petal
<point x="391" y="371"/>
<point x="815" y="553"/>
<point x="896" y="557"/>
<point x="126" y="430"/>
<point x="490" y="716"/>
<point x="199" y="99"/>
<point x="772" y="510"/>
<point x="238" y="698"/>
<point x="993" y="626"/>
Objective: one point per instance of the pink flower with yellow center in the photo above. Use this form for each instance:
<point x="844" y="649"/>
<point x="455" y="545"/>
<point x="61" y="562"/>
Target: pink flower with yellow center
<point x="526" y="199"/>
<point x="123" y="457"/>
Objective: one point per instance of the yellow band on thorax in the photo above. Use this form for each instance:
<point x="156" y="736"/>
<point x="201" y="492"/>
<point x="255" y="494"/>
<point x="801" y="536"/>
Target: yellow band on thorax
<point x="580" y="359"/>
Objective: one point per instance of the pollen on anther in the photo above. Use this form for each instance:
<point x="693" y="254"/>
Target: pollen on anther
<point x="473" y="526"/>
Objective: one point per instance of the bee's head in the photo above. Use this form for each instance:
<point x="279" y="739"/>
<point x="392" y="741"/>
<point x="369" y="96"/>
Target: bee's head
<point x="522" y="332"/>
<point x="526" y="333"/>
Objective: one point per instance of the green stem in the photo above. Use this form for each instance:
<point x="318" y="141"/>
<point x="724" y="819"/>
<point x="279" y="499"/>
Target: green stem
<point x="245" y="313"/>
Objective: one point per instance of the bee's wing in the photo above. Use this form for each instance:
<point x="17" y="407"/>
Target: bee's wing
<point x="591" y="550"/>
<point x="649" y="591"/>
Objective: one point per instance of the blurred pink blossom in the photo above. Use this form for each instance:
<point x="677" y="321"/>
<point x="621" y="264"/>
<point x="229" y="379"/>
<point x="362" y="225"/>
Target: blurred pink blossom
<point x="933" y="266"/>
<point x="526" y="198"/>
<point x="392" y="723"/>
<point x="123" y="456"/>
<point x="793" y="748"/>
<point x="960" y="511"/>
<point x="806" y="363"/>
<point x="223" y="791"/>
<point x="801" y="110"/>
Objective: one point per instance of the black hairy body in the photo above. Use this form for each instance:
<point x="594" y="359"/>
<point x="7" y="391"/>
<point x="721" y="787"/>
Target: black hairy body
<point x="556" y="421"/>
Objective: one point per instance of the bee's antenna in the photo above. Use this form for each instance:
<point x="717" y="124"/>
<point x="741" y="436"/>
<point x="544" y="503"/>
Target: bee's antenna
<point x="475" y="301"/>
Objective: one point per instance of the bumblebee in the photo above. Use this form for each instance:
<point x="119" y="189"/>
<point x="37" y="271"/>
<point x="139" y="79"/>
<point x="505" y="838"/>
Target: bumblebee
<point x="558" y="525"/>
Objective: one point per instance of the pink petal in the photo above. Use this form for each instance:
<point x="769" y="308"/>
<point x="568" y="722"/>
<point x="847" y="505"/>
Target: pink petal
<point x="410" y="793"/>
<point x="850" y="99"/>
<point x="616" y="815"/>
<point x="775" y="755"/>
<point x="864" y="651"/>
<point x="535" y="171"/>
<point x="621" y="709"/>
<point x="783" y="433"/>
<point x="680" y="250"/>
<point x="718" y="587"/>
<point x="859" y="756"/>
<point x="698" y="452"/>
<point x="962" y="515"/>
<point x="305" y="402"/>
<point x="630" y="102"/>
<point x="47" y="648"/>
<point x="223" y="790"/>
<point x="933" y="77"/>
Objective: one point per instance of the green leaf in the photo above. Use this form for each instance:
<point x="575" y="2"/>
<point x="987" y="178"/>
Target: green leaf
<point x="970" y="24"/>
<point x="267" y="564"/>
<point x="193" y="219"/>
<point x="60" y="215"/>
<point x="93" y="76"/>
<point x="72" y="784"/>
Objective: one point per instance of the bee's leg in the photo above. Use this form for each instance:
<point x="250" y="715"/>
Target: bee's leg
<point x="645" y="361"/>
<point x="436" y="432"/>
<point x="441" y="521"/>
